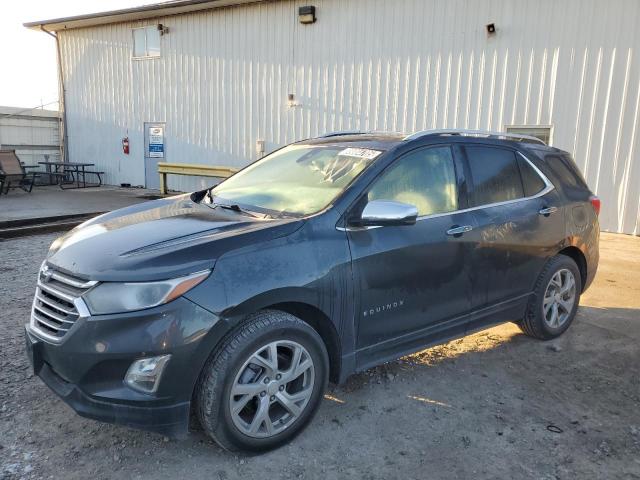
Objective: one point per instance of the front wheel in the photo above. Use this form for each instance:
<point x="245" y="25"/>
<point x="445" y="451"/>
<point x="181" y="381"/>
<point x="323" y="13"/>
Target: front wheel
<point x="264" y="384"/>
<point x="555" y="302"/>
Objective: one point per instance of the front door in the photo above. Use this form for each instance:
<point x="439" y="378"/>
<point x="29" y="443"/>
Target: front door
<point x="154" y="152"/>
<point x="412" y="278"/>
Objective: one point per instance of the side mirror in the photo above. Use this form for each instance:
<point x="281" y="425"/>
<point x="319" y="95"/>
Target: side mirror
<point x="380" y="213"/>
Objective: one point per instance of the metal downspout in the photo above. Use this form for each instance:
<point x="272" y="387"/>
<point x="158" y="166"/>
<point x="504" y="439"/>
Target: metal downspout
<point x="63" y="97"/>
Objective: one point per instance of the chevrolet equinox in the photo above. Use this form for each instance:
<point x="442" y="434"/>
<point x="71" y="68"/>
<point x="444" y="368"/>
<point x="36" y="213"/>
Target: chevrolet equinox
<point x="238" y="303"/>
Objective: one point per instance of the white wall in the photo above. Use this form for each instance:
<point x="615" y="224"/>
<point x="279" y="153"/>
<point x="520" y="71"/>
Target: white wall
<point x="404" y="65"/>
<point x="33" y="134"/>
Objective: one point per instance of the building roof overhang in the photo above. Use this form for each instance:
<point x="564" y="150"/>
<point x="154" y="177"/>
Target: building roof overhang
<point x="156" y="10"/>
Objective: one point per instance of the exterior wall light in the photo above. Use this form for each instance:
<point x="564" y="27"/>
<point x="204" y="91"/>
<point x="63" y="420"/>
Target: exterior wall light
<point x="491" y="28"/>
<point x="307" y="14"/>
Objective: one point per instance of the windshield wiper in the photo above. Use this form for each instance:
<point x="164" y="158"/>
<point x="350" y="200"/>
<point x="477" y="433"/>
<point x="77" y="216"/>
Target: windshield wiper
<point x="213" y="203"/>
<point x="236" y="208"/>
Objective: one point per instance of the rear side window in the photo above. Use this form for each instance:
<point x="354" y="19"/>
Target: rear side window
<point x="424" y="178"/>
<point x="495" y="175"/>
<point x="531" y="181"/>
<point x="567" y="175"/>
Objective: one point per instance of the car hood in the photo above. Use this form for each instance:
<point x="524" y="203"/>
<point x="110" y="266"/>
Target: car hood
<point x="159" y="239"/>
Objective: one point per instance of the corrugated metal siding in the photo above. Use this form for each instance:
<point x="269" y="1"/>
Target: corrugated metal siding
<point x="224" y="75"/>
<point x="34" y="138"/>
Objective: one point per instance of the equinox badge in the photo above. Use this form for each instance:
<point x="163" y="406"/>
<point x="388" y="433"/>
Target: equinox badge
<point x="383" y="308"/>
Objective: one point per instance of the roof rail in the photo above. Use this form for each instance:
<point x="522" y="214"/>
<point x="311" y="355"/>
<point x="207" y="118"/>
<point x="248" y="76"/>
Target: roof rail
<point x="476" y="133"/>
<point x="343" y="132"/>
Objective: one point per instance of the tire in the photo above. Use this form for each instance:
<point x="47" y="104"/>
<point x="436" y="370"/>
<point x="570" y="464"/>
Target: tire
<point x="242" y="375"/>
<point x="538" y="321"/>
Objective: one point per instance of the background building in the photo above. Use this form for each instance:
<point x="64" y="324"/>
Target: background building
<point x="217" y="80"/>
<point x="33" y="133"/>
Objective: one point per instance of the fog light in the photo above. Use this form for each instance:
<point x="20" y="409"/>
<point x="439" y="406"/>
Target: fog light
<point x="144" y="374"/>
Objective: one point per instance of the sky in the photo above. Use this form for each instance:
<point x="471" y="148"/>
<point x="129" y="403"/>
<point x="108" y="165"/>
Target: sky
<point x="27" y="57"/>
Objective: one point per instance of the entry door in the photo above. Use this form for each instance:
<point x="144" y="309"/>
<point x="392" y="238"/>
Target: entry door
<point x="412" y="278"/>
<point x="154" y="152"/>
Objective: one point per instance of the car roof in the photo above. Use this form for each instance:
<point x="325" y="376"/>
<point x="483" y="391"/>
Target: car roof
<point x="542" y="150"/>
<point x="386" y="141"/>
<point x="376" y="141"/>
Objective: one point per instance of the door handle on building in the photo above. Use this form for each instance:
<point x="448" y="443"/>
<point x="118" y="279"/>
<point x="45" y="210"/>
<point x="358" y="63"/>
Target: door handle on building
<point x="456" y="231"/>
<point x="548" y="211"/>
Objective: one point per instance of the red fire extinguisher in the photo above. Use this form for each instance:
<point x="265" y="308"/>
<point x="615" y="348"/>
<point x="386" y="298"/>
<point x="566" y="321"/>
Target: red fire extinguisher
<point x="125" y="145"/>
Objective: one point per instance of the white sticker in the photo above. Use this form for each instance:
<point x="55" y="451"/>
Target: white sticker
<point x="360" y="153"/>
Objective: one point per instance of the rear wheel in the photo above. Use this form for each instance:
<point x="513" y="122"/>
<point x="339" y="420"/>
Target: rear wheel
<point x="263" y="385"/>
<point x="555" y="303"/>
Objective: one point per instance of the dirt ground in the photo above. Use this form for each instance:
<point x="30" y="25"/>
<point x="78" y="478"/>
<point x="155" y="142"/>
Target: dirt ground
<point x="494" y="405"/>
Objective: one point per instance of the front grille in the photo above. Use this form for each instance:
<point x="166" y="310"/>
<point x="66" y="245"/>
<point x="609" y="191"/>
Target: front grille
<point x="57" y="302"/>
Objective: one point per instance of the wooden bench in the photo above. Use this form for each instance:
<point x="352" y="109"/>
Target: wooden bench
<point x="165" y="169"/>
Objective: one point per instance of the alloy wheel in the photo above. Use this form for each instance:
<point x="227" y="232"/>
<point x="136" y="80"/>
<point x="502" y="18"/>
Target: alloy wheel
<point x="272" y="389"/>
<point x="559" y="298"/>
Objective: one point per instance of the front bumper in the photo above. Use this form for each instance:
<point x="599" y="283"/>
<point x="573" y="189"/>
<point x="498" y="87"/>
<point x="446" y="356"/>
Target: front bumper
<point x="88" y="367"/>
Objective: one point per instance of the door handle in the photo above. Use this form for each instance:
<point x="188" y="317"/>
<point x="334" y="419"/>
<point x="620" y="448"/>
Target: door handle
<point x="458" y="231"/>
<point x="548" y="211"/>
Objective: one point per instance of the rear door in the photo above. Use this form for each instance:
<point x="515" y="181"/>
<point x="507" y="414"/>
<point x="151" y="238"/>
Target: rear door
<point x="412" y="278"/>
<point x="519" y="225"/>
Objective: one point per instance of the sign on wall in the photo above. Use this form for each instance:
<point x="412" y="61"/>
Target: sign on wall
<point x="156" y="142"/>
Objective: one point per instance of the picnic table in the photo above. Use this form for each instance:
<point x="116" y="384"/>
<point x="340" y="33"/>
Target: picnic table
<point x="61" y="171"/>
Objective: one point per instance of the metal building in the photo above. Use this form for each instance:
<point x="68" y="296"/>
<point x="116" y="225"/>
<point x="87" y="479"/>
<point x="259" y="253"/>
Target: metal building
<point x="219" y="79"/>
<point x="33" y="133"/>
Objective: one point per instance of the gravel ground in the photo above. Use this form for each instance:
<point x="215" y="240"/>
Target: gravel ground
<point x="493" y="405"/>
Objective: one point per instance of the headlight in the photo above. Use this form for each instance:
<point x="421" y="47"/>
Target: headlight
<point x="116" y="297"/>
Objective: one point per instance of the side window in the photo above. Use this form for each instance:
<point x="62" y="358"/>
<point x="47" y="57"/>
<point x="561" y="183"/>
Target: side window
<point x="531" y="181"/>
<point x="425" y="178"/>
<point x="495" y="175"/>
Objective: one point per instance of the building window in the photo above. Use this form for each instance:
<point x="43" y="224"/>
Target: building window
<point x="541" y="132"/>
<point x="146" y="42"/>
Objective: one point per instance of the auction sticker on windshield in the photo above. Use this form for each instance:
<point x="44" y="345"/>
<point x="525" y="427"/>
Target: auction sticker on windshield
<point x="360" y="153"/>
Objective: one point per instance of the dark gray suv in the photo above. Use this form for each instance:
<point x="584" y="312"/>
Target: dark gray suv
<point x="239" y="303"/>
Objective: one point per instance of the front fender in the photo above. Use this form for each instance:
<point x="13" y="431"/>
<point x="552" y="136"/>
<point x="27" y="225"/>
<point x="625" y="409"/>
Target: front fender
<point x="312" y="266"/>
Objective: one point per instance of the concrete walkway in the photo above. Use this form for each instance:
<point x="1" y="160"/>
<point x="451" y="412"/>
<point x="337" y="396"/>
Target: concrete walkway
<point x="52" y="202"/>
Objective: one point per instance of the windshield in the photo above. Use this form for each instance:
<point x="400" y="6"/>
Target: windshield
<point x="298" y="179"/>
